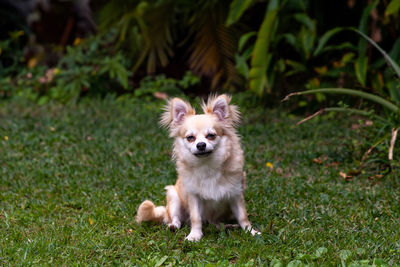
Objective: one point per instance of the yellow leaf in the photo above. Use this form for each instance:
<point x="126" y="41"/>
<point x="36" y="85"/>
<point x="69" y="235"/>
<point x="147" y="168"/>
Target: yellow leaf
<point x="316" y="82"/>
<point x="380" y="79"/>
<point x="337" y="64"/>
<point x="269" y="165"/>
<point x="32" y="62"/>
<point x="6" y="138"/>
<point x="77" y="41"/>
<point x="321" y="70"/>
<point x="90" y="221"/>
<point x="56" y="71"/>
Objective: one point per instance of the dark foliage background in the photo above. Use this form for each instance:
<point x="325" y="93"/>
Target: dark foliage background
<point x="110" y="46"/>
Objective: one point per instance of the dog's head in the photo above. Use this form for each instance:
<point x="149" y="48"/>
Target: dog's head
<point x="200" y="135"/>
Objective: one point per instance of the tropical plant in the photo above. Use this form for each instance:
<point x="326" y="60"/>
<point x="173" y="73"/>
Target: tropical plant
<point x="153" y="32"/>
<point x="261" y="59"/>
<point x="163" y="87"/>
<point x="88" y="68"/>
<point x="391" y="117"/>
<point x="266" y="65"/>
<point x="305" y="53"/>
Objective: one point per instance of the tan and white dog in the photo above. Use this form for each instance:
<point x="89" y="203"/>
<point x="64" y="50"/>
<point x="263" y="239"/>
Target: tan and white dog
<point x="209" y="162"/>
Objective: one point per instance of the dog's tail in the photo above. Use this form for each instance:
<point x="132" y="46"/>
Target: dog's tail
<point x="147" y="211"/>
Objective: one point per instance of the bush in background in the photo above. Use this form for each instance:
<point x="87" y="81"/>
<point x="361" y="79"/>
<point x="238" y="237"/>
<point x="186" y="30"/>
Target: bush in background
<point x="268" y="47"/>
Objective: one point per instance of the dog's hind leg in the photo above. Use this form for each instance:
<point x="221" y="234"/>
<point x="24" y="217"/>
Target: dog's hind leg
<point x="174" y="208"/>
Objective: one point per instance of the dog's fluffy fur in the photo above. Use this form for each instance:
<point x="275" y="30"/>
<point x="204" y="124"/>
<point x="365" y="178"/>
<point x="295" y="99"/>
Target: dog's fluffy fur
<point x="209" y="162"/>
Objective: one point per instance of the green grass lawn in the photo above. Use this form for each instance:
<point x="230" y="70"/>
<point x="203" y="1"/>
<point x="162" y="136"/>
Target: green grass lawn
<point x="72" y="177"/>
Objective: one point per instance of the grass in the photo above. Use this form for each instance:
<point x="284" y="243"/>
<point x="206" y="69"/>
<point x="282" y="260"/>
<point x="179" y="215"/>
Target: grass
<point x="72" y="177"/>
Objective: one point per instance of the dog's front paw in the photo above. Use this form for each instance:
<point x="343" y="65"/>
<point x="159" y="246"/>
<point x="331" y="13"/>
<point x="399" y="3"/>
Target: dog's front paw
<point x="255" y="232"/>
<point x="194" y="236"/>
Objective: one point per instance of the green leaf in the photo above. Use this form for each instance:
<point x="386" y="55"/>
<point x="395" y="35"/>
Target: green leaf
<point x="345" y="255"/>
<point x="392" y="8"/>
<point x="306" y="20"/>
<point x="296" y="67"/>
<point x="347" y="58"/>
<point x="161" y="261"/>
<point x="360" y="251"/>
<point x="244" y="38"/>
<point x="391" y="62"/>
<point x="295" y="263"/>
<point x="257" y="75"/>
<point x="321" y="251"/>
<point x="307" y="39"/>
<point x="394" y="90"/>
<point x="236" y="10"/>
<point x="241" y="65"/>
<point x="360" y="67"/>
<point x="379" y="262"/>
<point x="43" y="100"/>
<point x="362" y="45"/>
<point x="377" y="99"/>
<point x="276" y="263"/>
<point x="325" y="38"/>
<point x="291" y="39"/>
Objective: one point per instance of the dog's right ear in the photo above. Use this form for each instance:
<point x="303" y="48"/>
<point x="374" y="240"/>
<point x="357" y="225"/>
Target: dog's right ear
<point x="175" y="113"/>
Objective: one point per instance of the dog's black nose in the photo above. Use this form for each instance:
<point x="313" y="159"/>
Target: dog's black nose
<point x="201" y="146"/>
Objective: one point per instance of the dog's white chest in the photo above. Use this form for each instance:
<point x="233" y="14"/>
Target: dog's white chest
<point x="210" y="183"/>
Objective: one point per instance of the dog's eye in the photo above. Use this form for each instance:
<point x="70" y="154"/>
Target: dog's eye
<point x="211" y="136"/>
<point x="190" y="138"/>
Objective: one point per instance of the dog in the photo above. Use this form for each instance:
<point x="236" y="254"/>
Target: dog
<point x="209" y="161"/>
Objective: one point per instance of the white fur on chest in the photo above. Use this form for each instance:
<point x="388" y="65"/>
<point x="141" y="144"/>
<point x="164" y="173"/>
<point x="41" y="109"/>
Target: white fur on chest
<point x="211" y="184"/>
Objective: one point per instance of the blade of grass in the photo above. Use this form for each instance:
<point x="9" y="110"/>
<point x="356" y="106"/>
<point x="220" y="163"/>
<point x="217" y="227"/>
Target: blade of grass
<point x="353" y="92"/>
<point x="392" y="142"/>
<point x="346" y="110"/>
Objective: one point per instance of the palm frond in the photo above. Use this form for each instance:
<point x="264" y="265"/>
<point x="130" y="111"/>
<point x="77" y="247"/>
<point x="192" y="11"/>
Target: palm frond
<point x="213" y="48"/>
<point x="146" y="27"/>
<point x="155" y="26"/>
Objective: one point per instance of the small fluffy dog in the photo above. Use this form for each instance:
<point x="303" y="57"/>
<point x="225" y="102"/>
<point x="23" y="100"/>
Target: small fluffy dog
<point x="209" y="162"/>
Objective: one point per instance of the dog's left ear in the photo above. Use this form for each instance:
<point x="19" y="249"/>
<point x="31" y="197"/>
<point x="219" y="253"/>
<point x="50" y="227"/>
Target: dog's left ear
<point x="220" y="107"/>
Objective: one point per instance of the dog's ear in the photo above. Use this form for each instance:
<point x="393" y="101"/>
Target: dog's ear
<point x="175" y="112"/>
<point x="220" y="107"/>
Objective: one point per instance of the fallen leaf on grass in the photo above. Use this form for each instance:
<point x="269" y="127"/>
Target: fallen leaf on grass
<point x="376" y="177"/>
<point x="317" y="160"/>
<point x="333" y="164"/>
<point x="160" y="95"/>
<point x="344" y="175"/>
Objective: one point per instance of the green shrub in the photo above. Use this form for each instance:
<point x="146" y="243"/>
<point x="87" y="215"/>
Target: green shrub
<point x="388" y="122"/>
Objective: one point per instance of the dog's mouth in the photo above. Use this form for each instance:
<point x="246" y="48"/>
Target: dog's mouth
<point x="203" y="154"/>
